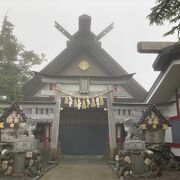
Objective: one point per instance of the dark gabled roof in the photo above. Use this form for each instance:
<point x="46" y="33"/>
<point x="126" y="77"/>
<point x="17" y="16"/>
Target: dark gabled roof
<point x="166" y="56"/>
<point x="148" y="112"/>
<point x="94" y="50"/>
<point x="84" y="41"/>
<point x="32" y="87"/>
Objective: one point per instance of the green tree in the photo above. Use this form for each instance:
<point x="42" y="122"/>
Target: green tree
<point x="166" y="11"/>
<point x="16" y="63"/>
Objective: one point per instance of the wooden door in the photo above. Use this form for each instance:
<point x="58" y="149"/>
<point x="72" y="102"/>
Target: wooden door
<point x="83" y="131"/>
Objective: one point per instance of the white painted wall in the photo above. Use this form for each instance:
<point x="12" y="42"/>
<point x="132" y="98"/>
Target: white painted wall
<point x="168" y="135"/>
<point x="121" y="93"/>
<point x="176" y="151"/>
<point x="94" y="90"/>
<point x="69" y="87"/>
<point x="172" y="110"/>
<point x="122" y="113"/>
<point x="94" y="87"/>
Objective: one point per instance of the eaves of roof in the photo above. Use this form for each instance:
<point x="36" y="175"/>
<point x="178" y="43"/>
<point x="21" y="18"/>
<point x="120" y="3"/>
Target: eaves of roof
<point x="166" y="56"/>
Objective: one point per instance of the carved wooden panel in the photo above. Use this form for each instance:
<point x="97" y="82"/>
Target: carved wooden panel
<point x="84" y="85"/>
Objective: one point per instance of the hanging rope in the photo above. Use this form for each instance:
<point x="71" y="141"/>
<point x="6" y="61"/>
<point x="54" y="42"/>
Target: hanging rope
<point x="84" y="97"/>
<point x="84" y="101"/>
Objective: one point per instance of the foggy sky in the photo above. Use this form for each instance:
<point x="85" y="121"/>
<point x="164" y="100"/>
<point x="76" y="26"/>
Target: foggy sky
<point x="34" y="27"/>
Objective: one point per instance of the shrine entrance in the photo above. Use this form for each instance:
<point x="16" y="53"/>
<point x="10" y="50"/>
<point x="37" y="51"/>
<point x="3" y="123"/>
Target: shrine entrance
<point x="83" y="131"/>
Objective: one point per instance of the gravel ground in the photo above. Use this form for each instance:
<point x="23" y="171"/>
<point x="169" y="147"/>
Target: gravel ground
<point x="94" y="168"/>
<point x="81" y="168"/>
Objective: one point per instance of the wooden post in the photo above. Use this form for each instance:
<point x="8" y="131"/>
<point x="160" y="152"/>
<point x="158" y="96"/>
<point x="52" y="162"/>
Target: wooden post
<point x="55" y="127"/>
<point x="111" y="124"/>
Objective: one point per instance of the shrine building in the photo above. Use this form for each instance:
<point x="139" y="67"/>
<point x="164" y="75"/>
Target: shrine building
<point x="82" y="97"/>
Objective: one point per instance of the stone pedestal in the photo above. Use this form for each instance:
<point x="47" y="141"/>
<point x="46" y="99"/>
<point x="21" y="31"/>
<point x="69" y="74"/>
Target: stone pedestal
<point x="137" y="163"/>
<point x="24" y="143"/>
<point x="19" y="164"/>
<point x="134" y="145"/>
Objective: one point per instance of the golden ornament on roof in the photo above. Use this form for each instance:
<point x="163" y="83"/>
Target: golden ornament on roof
<point x="143" y="126"/>
<point x="84" y="65"/>
<point x="156" y="121"/>
<point x="11" y="125"/>
<point x="1" y="125"/>
<point x="154" y="126"/>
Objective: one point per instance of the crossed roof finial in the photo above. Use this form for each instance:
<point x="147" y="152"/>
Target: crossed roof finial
<point x="84" y="25"/>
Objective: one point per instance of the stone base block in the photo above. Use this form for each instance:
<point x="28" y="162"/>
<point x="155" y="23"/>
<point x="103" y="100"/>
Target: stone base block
<point x="25" y="144"/>
<point x="134" y="145"/>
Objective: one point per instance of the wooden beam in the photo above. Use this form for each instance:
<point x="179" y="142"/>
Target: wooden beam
<point x="63" y="31"/>
<point x="47" y="93"/>
<point x="104" y="32"/>
<point x="152" y="47"/>
<point x="93" y="80"/>
<point x="111" y="123"/>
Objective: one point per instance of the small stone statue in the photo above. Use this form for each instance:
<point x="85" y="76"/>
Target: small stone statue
<point x="27" y="130"/>
<point x="25" y="140"/>
<point x="133" y="133"/>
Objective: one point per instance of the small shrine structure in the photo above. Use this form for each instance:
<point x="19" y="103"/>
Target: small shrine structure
<point x="10" y="122"/>
<point x="153" y="124"/>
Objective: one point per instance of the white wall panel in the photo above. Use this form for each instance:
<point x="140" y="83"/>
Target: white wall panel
<point x="176" y="151"/>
